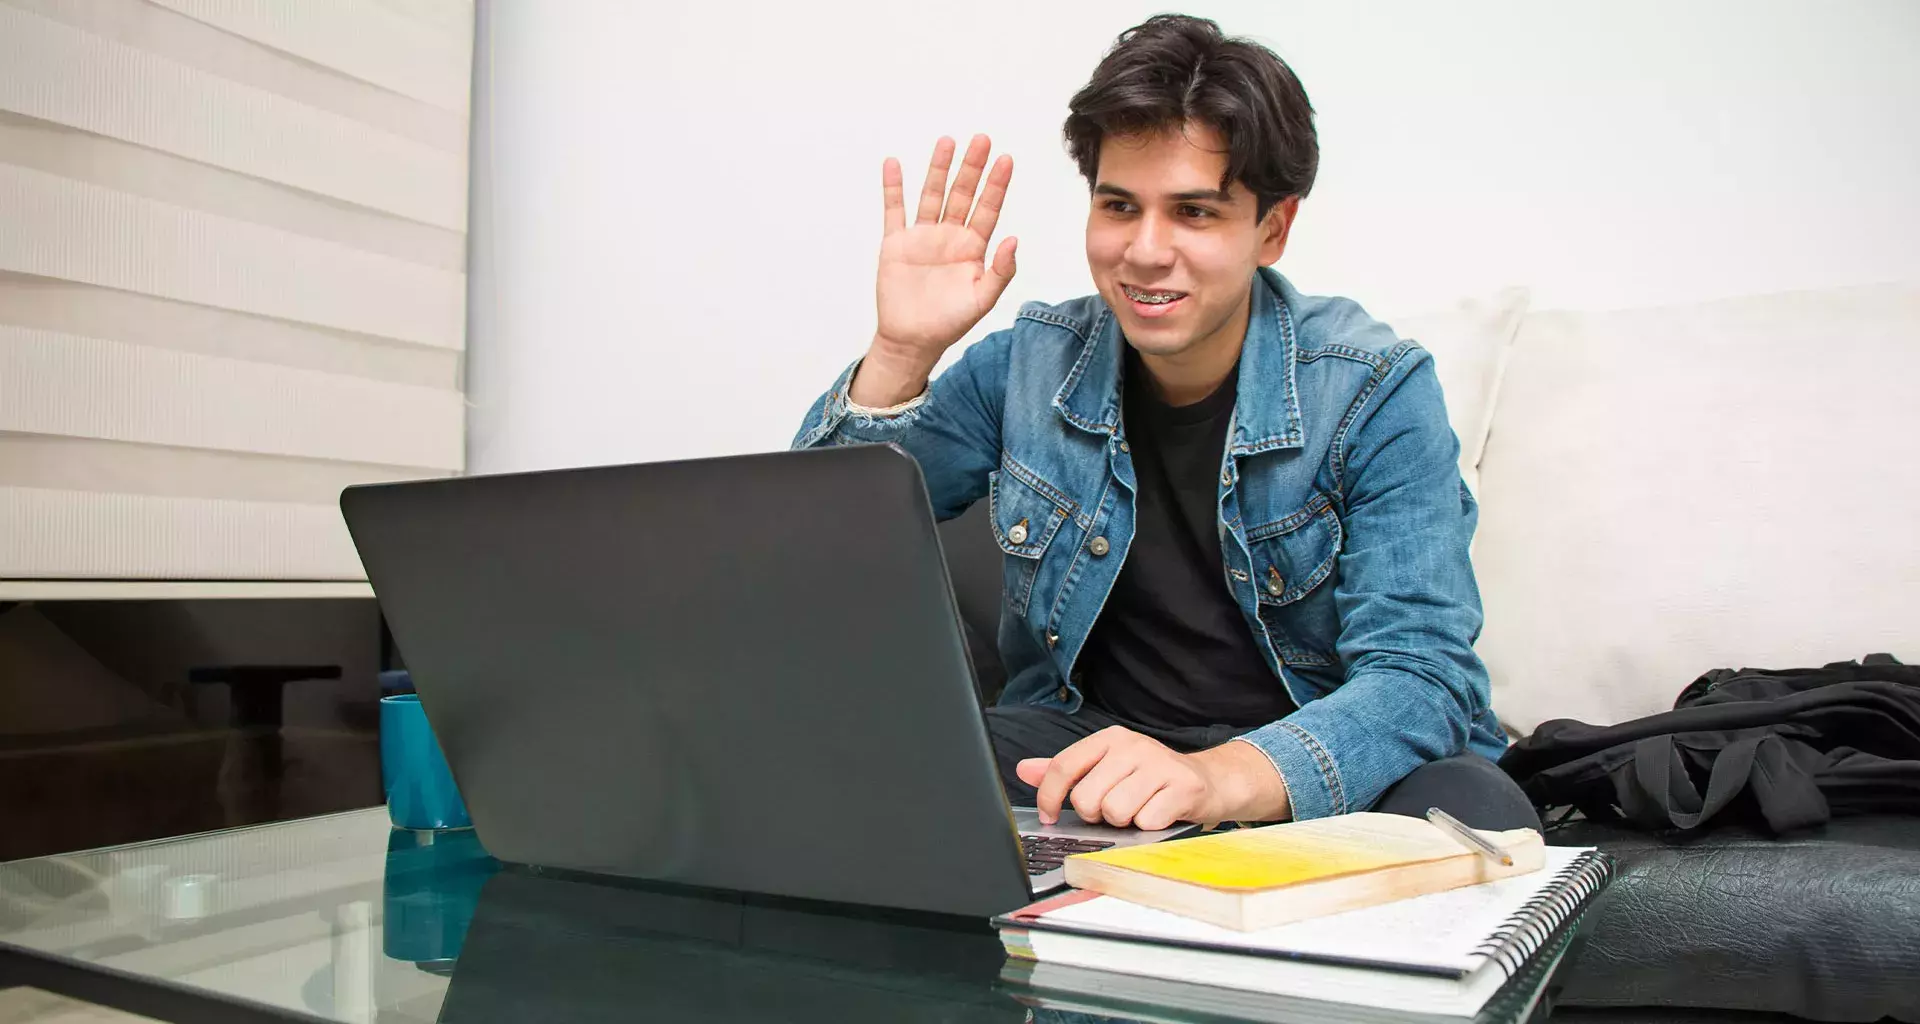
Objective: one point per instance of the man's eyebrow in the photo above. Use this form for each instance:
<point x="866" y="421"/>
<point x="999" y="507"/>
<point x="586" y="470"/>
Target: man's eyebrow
<point x="1211" y="195"/>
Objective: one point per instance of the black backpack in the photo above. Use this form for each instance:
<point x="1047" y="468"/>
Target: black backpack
<point x="1780" y="749"/>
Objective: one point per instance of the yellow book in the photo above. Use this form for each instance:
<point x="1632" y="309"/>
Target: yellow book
<point x="1261" y="877"/>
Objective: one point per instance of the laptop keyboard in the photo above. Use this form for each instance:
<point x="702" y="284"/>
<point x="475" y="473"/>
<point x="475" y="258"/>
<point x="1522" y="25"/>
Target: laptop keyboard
<point x="1045" y="853"/>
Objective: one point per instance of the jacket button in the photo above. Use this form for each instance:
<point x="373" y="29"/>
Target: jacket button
<point x="1018" y="535"/>
<point x="1053" y="639"/>
<point x="1124" y="448"/>
<point x="1099" y="547"/>
<point x="1064" y="694"/>
<point x="1226" y="477"/>
<point x="1276" y="584"/>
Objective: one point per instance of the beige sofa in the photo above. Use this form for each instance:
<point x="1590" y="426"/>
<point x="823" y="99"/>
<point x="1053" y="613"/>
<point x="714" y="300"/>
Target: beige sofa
<point x="1666" y="491"/>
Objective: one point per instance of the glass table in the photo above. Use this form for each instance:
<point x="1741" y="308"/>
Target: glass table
<point x="343" y="918"/>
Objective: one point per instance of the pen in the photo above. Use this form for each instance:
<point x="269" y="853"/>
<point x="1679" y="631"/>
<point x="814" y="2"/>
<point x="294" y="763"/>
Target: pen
<point x="1472" y="839"/>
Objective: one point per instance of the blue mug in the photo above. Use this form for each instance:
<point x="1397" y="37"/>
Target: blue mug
<point x="413" y="771"/>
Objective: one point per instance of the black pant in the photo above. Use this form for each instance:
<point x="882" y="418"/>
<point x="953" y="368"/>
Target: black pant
<point x="1467" y="786"/>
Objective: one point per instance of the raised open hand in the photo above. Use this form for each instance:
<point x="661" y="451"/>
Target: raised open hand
<point x="934" y="282"/>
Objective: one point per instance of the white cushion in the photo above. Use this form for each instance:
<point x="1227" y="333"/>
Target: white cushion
<point x="1469" y="343"/>
<point x="1669" y="491"/>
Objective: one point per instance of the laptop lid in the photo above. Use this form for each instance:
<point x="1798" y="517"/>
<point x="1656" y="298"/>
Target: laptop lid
<point x="744" y="673"/>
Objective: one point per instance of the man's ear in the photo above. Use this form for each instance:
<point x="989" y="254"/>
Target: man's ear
<point x="1274" y="228"/>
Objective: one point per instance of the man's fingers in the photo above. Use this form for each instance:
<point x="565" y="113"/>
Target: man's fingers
<point x="1124" y="802"/>
<point x="890" y="187"/>
<point x="986" y="213"/>
<point x="1162" y="810"/>
<point x="1089" y="795"/>
<point x="960" y="198"/>
<point x="1065" y="771"/>
<point x="998" y="274"/>
<point x="935" y="189"/>
<point x="1032" y="770"/>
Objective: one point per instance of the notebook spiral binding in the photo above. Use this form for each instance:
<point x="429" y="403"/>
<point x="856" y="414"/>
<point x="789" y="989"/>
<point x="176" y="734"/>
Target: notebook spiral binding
<point x="1523" y="933"/>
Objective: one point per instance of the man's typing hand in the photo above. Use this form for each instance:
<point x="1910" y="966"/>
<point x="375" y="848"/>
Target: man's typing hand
<point x="1120" y="777"/>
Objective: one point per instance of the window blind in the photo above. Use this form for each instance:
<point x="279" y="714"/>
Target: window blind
<point x="232" y="278"/>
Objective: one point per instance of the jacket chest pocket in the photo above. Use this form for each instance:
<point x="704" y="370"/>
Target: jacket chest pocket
<point x="1295" y="566"/>
<point x="1027" y="514"/>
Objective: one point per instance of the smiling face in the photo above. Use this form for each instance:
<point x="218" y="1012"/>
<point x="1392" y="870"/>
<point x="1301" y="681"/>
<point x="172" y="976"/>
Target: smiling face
<point x="1171" y="253"/>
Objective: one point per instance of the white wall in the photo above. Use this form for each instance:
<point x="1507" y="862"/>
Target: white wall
<point x="677" y="206"/>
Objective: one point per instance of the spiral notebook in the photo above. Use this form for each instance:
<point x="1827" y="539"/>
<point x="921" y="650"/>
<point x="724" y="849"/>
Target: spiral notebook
<point x="1157" y="1001"/>
<point x="1446" y="953"/>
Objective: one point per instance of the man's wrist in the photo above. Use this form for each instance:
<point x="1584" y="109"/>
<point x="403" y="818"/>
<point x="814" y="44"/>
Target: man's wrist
<point x="885" y="380"/>
<point x="1247" y="787"/>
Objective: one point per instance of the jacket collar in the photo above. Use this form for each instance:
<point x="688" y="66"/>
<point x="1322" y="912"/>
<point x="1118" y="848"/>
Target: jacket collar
<point x="1267" y="408"/>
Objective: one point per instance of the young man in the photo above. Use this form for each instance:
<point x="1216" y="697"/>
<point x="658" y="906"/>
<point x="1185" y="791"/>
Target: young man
<point x="1236" y="573"/>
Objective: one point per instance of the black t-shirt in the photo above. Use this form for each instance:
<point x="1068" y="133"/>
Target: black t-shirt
<point x="1171" y="648"/>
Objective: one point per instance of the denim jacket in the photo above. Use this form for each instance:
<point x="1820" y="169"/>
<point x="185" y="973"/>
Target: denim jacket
<point x="1344" y="523"/>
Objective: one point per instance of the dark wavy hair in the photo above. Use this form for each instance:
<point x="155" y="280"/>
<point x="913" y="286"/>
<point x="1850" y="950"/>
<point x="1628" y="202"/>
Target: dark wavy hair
<point x="1174" y="69"/>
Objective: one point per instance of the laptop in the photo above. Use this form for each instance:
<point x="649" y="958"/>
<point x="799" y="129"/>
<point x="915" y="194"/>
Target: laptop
<point x="743" y="673"/>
